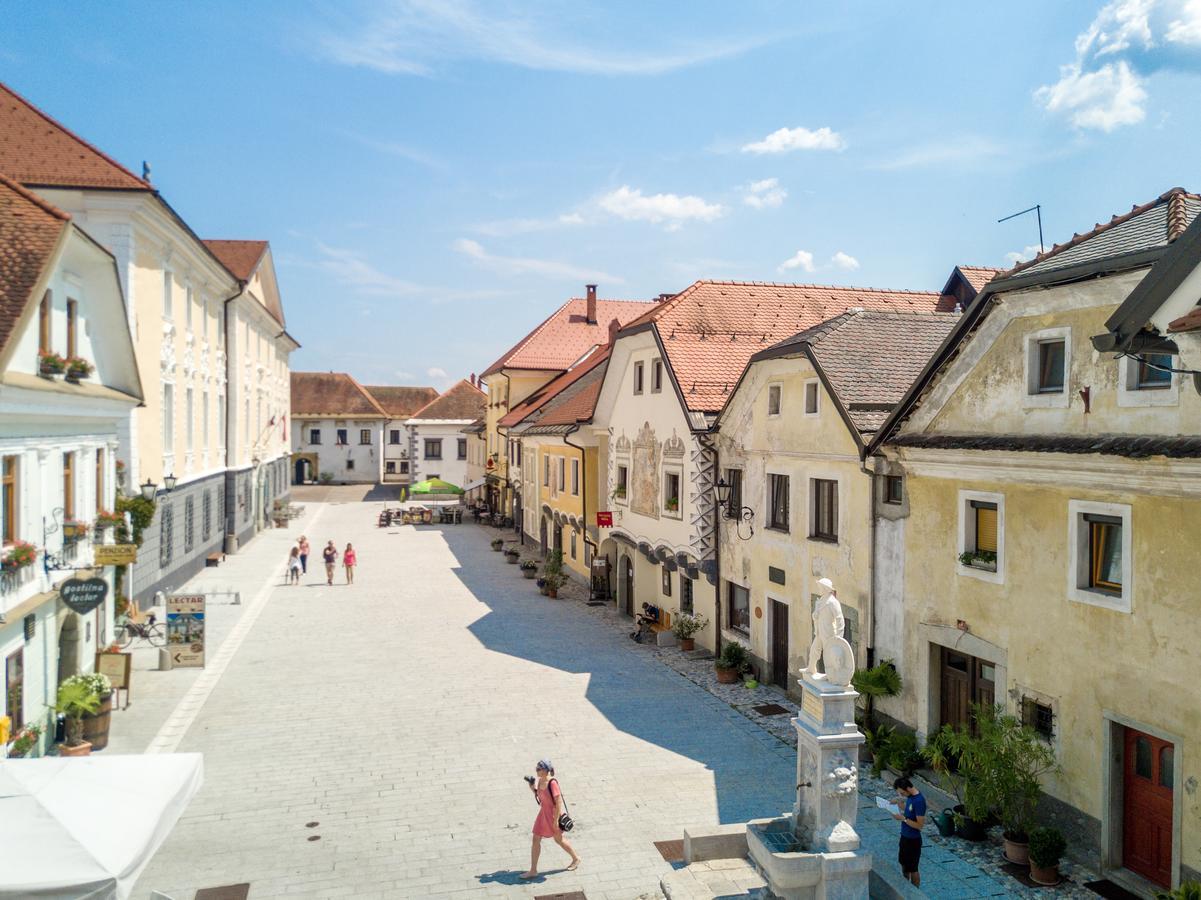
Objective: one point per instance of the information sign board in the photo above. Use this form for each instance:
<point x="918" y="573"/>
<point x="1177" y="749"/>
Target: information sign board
<point x="185" y="629"/>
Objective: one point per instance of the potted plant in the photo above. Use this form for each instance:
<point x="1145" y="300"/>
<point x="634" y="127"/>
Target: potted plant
<point x="78" y="368"/>
<point x="672" y="504"/>
<point x="619" y="493"/>
<point x="75" y="700"/>
<point x="1046" y="848"/>
<point x="96" y="725"/>
<point x="964" y="764"/>
<point x="1188" y="890"/>
<point x="497" y="543"/>
<point x="51" y="364"/>
<point x="901" y="754"/>
<point x="1020" y="759"/>
<point x="529" y="568"/>
<point x="552" y="573"/>
<point x="685" y="628"/>
<point x="731" y="663"/>
<point x="881" y="680"/>
<point x="876" y="744"/>
<point x="24" y="741"/>
<point x="19" y="555"/>
<point x="120" y="466"/>
<point x="106" y="520"/>
<point x="979" y="559"/>
<point x="512" y="555"/>
<point x="74" y="530"/>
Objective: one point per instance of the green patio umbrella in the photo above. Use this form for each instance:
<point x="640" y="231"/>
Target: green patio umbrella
<point x="434" y="486"/>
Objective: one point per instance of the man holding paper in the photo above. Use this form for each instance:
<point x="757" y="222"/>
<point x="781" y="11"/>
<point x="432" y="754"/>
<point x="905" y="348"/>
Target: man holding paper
<point x="912" y="819"/>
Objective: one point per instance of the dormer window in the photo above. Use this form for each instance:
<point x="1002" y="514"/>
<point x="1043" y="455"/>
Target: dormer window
<point x="1048" y="363"/>
<point x="1050" y="366"/>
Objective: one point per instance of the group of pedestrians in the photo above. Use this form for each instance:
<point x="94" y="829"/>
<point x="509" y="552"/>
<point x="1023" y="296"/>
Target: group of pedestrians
<point x="298" y="561"/>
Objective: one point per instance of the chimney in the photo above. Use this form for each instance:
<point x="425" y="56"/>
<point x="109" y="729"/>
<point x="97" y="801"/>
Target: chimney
<point x="473" y="379"/>
<point x="591" y="288"/>
<point x="664" y="297"/>
<point x="614" y="327"/>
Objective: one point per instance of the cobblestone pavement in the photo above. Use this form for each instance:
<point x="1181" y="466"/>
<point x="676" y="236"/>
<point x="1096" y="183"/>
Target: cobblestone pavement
<point x="400" y="714"/>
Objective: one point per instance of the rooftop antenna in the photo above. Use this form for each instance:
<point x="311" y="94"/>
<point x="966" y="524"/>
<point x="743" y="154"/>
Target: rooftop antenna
<point x="1038" y="211"/>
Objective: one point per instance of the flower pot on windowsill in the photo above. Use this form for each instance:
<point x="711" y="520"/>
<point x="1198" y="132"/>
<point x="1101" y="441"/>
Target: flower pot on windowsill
<point x="51" y="365"/>
<point x="985" y="561"/>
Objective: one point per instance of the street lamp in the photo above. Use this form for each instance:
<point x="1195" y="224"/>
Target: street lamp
<point x="149" y="489"/>
<point x="169" y="482"/>
<point x="741" y="514"/>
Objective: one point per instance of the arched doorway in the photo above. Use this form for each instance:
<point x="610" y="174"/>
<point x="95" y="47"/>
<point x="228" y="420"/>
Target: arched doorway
<point x="627" y="585"/>
<point x="542" y="537"/>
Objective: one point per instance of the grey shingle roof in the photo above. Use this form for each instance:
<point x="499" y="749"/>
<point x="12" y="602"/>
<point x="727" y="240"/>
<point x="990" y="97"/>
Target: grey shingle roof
<point x="1134" y="446"/>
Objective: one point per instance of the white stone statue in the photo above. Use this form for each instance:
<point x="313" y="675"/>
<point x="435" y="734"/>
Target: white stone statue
<point x="828" y="642"/>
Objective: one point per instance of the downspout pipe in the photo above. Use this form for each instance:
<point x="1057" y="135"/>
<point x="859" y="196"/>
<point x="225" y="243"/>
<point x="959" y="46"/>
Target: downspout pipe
<point x="583" y="490"/>
<point x="508" y="409"/>
<point x="871" y="565"/>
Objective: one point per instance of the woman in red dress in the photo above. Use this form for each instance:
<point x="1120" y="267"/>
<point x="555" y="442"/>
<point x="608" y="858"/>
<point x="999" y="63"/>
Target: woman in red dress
<point x="550" y="807"/>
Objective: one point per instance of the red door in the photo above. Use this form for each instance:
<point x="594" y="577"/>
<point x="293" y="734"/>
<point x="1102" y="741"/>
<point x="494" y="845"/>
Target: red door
<point x="1147" y="807"/>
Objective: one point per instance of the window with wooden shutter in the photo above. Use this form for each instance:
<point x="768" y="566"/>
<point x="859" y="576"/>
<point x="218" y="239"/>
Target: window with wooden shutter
<point x="986" y="526"/>
<point x="69" y="486"/>
<point x="9" y="499"/>
<point x="44" y="323"/>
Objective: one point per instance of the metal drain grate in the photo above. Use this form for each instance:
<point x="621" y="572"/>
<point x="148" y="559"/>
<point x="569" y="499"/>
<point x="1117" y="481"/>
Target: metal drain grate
<point x="569" y="895"/>
<point x="771" y="709"/>
<point x="671" y="851"/>
<point x="225" y="892"/>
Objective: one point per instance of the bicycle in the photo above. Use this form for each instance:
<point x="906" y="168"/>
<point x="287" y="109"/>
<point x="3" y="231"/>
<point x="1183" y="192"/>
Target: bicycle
<point x="150" y="631"/>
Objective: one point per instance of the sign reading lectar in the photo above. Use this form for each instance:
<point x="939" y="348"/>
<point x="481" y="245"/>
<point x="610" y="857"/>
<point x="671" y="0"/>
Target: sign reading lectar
<point x="604" y="520"/>
<point x="83" y="594"/>
<point x="185" y="629"/>
<point x="115" y="554"/>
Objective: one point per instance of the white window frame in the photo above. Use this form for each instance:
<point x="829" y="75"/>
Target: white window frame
<point x="621" y="501"/>
<point x="779" y="389"/>
<point x="1131" y="395"/>
<point x="1080" y="560"/>
<point x="1031" y="398"/>
<point x="817" y="398"/>
<point x="967" y="524"/>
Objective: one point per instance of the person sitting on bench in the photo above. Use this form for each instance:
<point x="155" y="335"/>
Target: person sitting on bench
<point x="644" y="620"/>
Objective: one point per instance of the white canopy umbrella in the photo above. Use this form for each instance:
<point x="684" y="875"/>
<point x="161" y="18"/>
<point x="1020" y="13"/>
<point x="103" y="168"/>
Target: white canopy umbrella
<point x="85" y="827"/>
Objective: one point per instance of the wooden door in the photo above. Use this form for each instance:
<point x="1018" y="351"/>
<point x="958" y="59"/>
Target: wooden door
<point x="984" y="688"/>
<point x="779" y="643"/>
<point x="956" y="688"/>
<point x="628" y="578"/>
<point x="1147" y="778"/>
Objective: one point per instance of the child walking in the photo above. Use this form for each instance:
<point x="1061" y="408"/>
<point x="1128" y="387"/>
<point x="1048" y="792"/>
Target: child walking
<point x="294" y="566"/>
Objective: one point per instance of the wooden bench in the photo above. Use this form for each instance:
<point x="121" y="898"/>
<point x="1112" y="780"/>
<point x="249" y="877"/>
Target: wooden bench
<point x="664" y="636"/>
<point x="214" y="559"/>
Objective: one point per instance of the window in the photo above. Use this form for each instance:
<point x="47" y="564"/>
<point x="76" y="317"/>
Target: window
<point x="824" y="520"/>
<point x="166" y="294"/>
<point x="350" y="465"/>
<point x="982" y="536"/>
<point x="168" y="418"/>
<point x="1050" y="367"/>
<point x="99" y="479"/>
<point x="671" y="492"/>
<point x="773" y="400"/>
<point x="738" y="602"/>
<point x="340" y="437"/>
<point x="204" y="418"/>
<point x="14" y="688"/>
<point x="394" y="436"/>
<point x="165" y="534"/>
<point x="734" y="480"/>
<point x="1039" y="716"/>
<point x="404" y="467"/>
<point x="811" y="395"/>
<point x="206" y="516"/>
<point x="221" y="421"/>
<point x="433" y="448"/>
<point x="69" y="486"/>
<point x="562" y="482"/>
<point x="1104" y="553"/>
<point x="72" y="328"/>
<point x="364" y="435"/>
<point x="656" y="376"/>
<point x="463" y="450"/>
<point x="685" y="593"/>
<point x="637" y="378"/>
<point x="623" y="483"/>
<point x="545" y="470"/>
<point x="894" y="489"/>
<point x="10" y="498"/>
<point x="314" y="435"/>
<point x="573" y="545"/>
<point x="188" y="306"/>
<point x="189" y="524"/>
<point x="221" y="508"/>
<point x="777" y="502"/>
<point x="1152" y="371"/>
<point x="666" y="582"/>
<point x="575" y="477"/>
<point x="389" y="468"/>
<point x="44" y="310"/>
<point x="190" y="425"/>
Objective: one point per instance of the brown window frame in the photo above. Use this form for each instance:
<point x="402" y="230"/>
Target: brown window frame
<point x="69" y="485"/>
<point x="72" y="327"/>
<point x="739" y="623"/>
<point x="45" y="334"/>
<point x="778" y="502"/>
<point x="1097" y="525"/>
<point x="364" y="433"/>
<point x="99" y="479"/>
<point x="824" y="524"/>
<point x="15" y="687"/>
<point x="11" y="487"/>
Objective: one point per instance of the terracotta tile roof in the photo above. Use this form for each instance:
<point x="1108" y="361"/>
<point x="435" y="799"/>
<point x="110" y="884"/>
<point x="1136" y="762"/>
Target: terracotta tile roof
<point x="332" y="395"/>
<point x="551" y="389"/>
<point x="978" y="276"/>
<point x="1134" y="446"/>
<point x="711" y="329"/>
<point x="1153" y="224"/>
<point x="569" y="399"/>
<point x="1190" y="321"/>
<point x="566" y="336"/>
<point x="461" y="401"/>
<point x="36" y="150"/>
<point x="30" y="229"/>
<point x="870" y="358"/>
<point x="240" y="257"/>
<point x="401" y="402"/>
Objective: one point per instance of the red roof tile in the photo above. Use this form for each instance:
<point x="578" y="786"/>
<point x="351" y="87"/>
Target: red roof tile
<point x="333" y="395"/>
<point x="978" y="276"/>
<point x="462" y="401"/>
<point x="401" y="402"/>
<point x="240" y="257"/>
<point x="36" y="150"/>
<point x="1190" y="321"/>
<point x="30" y="229"/>
<point x="566" y="335"/>
<point x="712" y="328"/>
<point x="555" y="388"/>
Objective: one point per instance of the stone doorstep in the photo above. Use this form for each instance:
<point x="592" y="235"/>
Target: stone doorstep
<point x="705" y="881"/>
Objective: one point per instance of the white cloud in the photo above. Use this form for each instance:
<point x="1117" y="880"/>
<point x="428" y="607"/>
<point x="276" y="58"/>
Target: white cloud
<point x="631" y="204"/>
<point x="1028" y="252"/>
<point x="352" y="269"/>
<point x="404" y="376"/>
<point x="765" y="194"/>
<point x="963" y="150"/>
<point x="412" y="37"/>
<point x="511" y="227"/>
<point x="1186" y="28"/>
<point x="1116" y="27"/>
<point x="435" y="372"/>
<point x="404" y="151"/>
<point x="802" y="259"/>
<point x="842" y="260"/>
<point x="785" y="140"/>
<point x="1105" y="99"/>
<point x="519" y="265"/>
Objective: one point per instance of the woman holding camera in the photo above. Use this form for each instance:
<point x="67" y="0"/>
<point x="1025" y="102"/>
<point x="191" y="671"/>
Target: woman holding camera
<point x="550" y="808"/>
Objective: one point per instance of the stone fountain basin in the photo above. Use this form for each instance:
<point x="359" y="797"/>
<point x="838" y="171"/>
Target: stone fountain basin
<point x="793" y="872"/>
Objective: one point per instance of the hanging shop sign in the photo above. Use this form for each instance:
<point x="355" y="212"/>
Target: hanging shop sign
<point x="185" y="629"/>
<point x="604" y="520"/>
<point x="83" y="594"/>
<point x="115" y="554"/>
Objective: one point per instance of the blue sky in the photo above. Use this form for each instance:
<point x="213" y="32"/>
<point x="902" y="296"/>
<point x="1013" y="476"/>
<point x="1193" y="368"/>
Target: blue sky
<point x="436" y="177"/>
